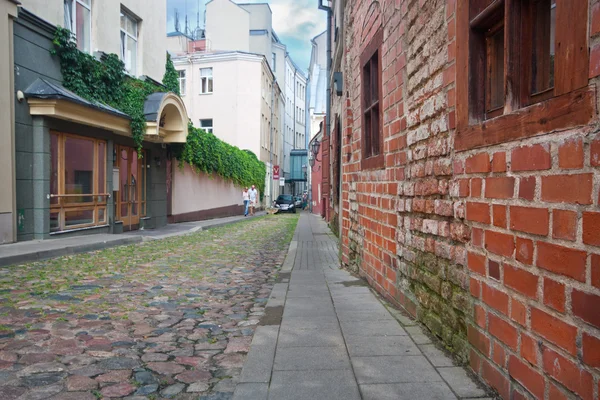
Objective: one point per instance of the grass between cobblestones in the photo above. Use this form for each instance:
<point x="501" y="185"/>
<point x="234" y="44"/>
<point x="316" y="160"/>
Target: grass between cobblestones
<point x="185" y="296"/>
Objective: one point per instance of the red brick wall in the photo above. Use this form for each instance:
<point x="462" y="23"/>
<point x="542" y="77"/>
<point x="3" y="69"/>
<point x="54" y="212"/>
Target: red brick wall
<point x="495" y="250"/>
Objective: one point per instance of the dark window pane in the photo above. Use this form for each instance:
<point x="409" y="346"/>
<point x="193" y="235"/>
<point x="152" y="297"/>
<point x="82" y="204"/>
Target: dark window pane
<point x="367" y="134"/>
<point x="79" y="217"/>
<point x="495" y="44"/>
<point x="375" y="78"/>
<point x="79" y="169"/>
<point x="54" y="167"/>
<point x="367" y="84"/>
<point x="375" y="130"/>
<point x="54" y="221"/>
<point x="544" y="28"/>
<point x="101" y="170"/>
<point x="101" y="215"/>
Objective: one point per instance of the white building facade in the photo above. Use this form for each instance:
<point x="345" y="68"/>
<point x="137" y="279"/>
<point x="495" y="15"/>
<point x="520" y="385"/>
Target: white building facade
<point x="128" y="28"/>
<point x="317" y="75"/>
<point x="234" y="96"/>
<point x="249" y="28"/>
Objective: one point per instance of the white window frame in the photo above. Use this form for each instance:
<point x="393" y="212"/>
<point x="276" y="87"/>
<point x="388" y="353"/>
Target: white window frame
<point x="209" y="129"/>
<point x="182" y="81"/>
<point x="73" y="19"/>
<point x="135" y="21"/>
<point x="204" y="81"/>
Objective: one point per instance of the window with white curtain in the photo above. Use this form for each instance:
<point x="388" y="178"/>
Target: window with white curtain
<point x="129" y="42"/>
<point x="78" y="19"/>
<point x="181" y="82"/>
<point x="206" y="80"/>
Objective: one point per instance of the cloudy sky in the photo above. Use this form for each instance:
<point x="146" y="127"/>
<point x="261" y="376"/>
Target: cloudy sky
<point x="295" y="21"/>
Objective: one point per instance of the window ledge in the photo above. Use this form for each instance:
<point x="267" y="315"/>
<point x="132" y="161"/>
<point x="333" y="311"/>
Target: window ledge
<point x="375" y="162"/>
<point x="570" y="110"/>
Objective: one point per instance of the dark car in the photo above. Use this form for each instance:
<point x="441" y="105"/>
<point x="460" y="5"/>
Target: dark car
<point x="285" y="203"/>
<point x="298" y="201"/>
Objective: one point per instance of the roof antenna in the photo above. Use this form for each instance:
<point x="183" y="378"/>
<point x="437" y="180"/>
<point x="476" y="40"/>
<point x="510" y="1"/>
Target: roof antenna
<point x="177" y="21"/>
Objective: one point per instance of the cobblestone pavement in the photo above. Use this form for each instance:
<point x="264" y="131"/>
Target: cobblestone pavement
<point x="165" y="319"/>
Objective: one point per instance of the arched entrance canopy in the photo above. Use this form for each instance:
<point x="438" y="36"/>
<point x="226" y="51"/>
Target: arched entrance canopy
<point x="166" y="116"/>
<point x="167" y="119"/>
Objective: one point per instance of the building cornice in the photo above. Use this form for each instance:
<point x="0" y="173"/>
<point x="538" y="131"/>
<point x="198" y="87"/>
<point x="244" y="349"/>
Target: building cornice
<point x="28" y="18"/>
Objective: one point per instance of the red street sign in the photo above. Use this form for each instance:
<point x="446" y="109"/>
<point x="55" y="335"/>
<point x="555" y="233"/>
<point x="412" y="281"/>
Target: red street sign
<point x="276" y="172"/>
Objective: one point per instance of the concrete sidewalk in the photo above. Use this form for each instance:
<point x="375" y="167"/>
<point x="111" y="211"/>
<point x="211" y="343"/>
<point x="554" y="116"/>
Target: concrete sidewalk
<point x="327" y="336"/>
<point x="35" y="250"/>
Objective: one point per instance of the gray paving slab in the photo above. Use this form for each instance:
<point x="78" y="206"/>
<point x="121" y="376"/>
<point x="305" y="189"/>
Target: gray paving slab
<point x="258" y="365"/>
<point x="407" y="391"/>
<point x="335" y="334"/>
<point x="311" y="358"/>
<point x="359" y="346"/>
<point x="320" y="337"/>
<point x="313" y="385"/>
<point x="266" y="336"/>
<point x="388" y="327"/>
<point x="310" y="293"/>
<point x="460" y="382"/>
<point x="417" y="334"/>
<point x="344" y="307"/>
<point x="254" y="391"/>
<point x="308" y="322"/>
<point x="394" y="369"/>
<point x="436" y="356"/>
<point x="348" y="315"/>
<point x="307" y="311"/>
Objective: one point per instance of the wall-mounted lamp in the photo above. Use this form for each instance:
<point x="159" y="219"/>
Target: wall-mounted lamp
<point x="314" y="147"/>
<point x="114" y="154"/>
<point x="311" y="161"/>
<point x="157" y="162"/>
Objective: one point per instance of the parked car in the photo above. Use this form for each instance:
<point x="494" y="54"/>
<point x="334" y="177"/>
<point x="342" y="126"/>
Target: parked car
<point x="285" y="203"/>
<point x="298" y="201"/>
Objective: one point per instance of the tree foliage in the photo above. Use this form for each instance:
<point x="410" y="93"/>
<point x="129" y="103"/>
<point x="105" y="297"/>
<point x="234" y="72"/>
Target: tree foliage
<point x="171" y="77"/>
<point x="207" y="153"/>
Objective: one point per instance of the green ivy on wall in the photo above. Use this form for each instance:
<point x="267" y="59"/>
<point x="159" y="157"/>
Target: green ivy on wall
<point x="106" y="82"/>
<point x="103" y="81"/>
<point x="171" y="77"/>
<point x="206" y="153"/>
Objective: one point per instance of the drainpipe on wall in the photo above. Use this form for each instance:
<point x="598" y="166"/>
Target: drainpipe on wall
<point x="329" y="15"/>
<point x="271" y="145"/>
<point x="293" y="185"/>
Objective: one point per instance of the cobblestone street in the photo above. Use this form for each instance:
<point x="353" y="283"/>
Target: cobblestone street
<point x="171" y="318"/>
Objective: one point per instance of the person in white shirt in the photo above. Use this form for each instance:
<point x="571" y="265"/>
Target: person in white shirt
<point x="246" y="198"/>
<point x="253" y="199"/>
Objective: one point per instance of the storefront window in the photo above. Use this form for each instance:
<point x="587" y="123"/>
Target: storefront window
<point x="78" y="182"/>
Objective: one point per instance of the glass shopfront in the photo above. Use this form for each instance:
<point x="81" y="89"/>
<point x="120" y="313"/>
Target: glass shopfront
<point x="78" y="196"/>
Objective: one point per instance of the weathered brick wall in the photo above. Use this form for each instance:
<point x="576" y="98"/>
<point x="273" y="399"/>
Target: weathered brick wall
<point x="496" y="250"/>
<point x="399" y="223"/>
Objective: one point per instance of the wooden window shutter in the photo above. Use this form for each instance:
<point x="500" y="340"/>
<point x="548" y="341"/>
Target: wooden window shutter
<point x="572" y="58"/>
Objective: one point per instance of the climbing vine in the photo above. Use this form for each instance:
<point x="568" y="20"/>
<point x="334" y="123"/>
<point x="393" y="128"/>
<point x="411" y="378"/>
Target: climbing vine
<point x="171" y="77"/>
<point x="206" y="153"/>
<point x="103" y="81"/>
<point x="106" y="82"/>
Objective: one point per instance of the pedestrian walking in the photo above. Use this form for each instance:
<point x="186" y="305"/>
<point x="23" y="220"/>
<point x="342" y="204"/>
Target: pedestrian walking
<point x="253" y="199"/>
<point x="246" y="198"/>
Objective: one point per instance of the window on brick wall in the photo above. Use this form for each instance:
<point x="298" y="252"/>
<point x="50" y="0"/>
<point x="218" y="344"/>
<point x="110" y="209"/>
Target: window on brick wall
<point x="372" y="137"/>
<point x="524" y="70"/>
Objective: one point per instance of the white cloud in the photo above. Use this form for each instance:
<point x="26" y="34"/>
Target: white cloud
<point x="299" y="19"/>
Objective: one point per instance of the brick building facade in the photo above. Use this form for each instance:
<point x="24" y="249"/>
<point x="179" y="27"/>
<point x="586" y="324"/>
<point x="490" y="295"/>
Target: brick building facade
<point x="470" y="178"/>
